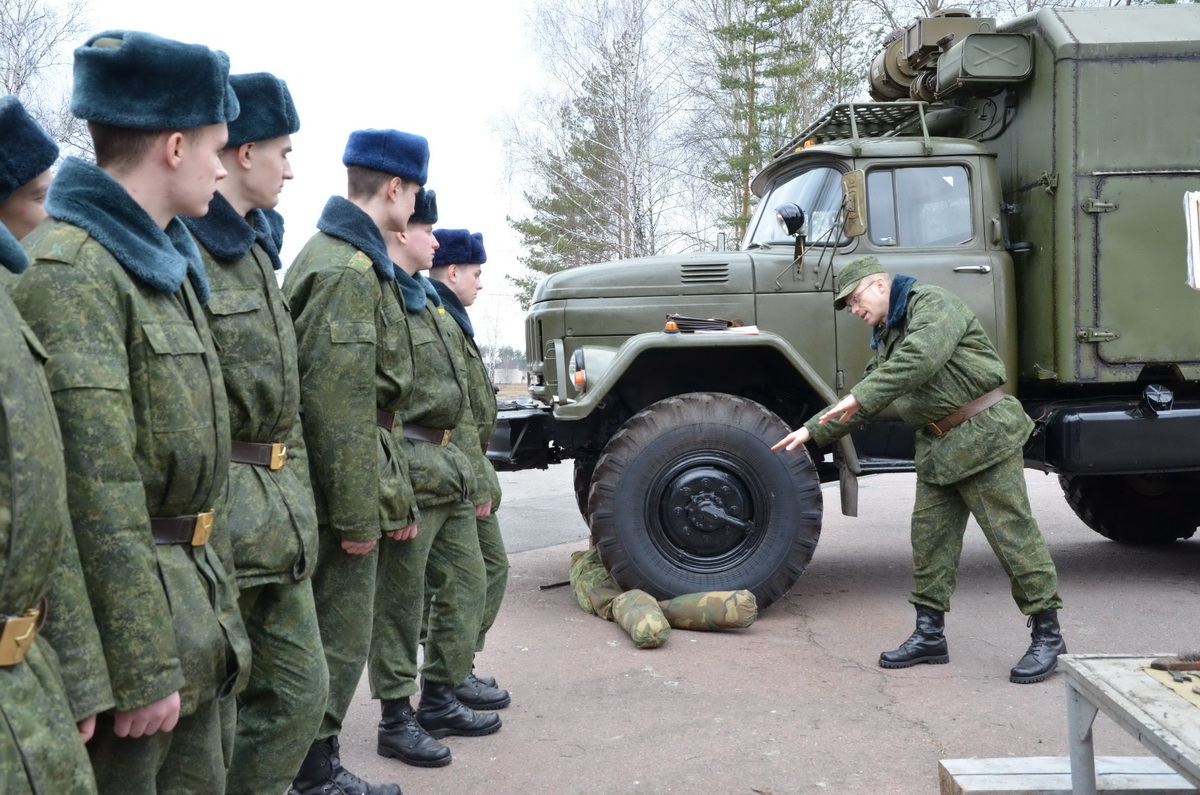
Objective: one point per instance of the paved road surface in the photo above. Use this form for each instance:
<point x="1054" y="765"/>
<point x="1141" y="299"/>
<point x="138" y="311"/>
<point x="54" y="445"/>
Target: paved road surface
<point x="796" y="703"/>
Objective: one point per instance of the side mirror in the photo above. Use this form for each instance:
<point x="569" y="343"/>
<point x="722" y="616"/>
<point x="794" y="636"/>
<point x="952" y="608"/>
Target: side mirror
<point x="854" y="203"/>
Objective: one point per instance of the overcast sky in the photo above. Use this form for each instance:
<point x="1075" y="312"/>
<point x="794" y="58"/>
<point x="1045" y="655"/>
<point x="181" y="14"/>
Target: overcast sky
<point x="449" y="71"/>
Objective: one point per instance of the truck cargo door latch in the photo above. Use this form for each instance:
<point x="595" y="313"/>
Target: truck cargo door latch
<point x="1097" y="335"/>
<point x="1091" y="205"/>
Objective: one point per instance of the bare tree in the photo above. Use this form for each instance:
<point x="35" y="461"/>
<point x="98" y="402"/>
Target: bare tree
<point x="36" y="39"/>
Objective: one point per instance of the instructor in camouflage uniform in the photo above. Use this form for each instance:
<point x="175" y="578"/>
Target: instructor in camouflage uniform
<point x="115" y="293"/>
<point x="936" y="363"/>
<point x="441" y="568"/>
<point x="351" y="335"/>
<point x="457" y="265"/>
<point x="273" y="522"/>
<point x="53" y="679"/>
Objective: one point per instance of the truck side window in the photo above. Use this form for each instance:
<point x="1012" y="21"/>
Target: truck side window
<point x="919" y="206"/>
<point x="818" y="191"/>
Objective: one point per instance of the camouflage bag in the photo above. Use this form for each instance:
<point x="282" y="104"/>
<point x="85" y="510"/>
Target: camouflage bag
<point x="639" y="614"/>
<point x="711" y="610"/>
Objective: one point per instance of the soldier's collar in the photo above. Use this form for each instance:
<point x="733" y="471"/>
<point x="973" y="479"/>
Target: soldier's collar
<point x="344" y="220"/>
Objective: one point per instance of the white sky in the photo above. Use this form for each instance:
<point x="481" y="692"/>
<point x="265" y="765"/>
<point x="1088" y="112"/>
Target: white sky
<point x="447" y="70"/>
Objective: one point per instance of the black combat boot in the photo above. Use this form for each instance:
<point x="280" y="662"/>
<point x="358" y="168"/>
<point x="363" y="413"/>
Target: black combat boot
<point x="927" y="644"/>
<point x="401" y="737"/>
<point x="442" y="714"/>
<point x="1042" y="657"/>
<point x="480" y="693"/>
<point x="321" y="773"/>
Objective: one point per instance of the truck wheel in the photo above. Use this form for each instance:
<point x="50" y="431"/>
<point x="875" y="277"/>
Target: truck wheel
<point x="585" y="465"/>
<point x="1136" y="509"/>
<point x="688" y="497"/>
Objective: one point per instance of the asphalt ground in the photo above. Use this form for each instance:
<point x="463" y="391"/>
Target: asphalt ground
<point x="795" y="703"/>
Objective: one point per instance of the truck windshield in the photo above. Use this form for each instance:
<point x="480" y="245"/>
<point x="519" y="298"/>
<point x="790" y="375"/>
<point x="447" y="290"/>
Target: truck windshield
<point x="818" y="191"/>
<point x="919" y="206"/>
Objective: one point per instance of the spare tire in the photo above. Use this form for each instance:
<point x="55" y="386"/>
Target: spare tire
<point x="688" y="497"/>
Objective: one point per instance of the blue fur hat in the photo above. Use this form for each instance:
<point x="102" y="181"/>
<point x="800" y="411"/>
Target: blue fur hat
<point x="478" y="255"/>
<point x="267" y="109"/>
<point x="140" y="81"/>
<point x="393" y="152"/>
<point x="25" y="149"/>
<point x="424" y="208"/>
<point x="454" y="247"/>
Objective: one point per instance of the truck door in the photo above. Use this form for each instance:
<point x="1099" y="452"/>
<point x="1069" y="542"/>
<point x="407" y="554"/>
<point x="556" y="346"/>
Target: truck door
<point x="793" y="296"/>
<point x="1145" y="312"/>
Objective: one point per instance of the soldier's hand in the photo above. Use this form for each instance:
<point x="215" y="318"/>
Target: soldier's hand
<point x="483" y="511"/>
<point x="161" y="715"/>
<point x="357" y="547"/>
<point x="793" y="439"/>
<point x="87" y="728"/>
<point x="845" y="408"/>
<point x="404" y="533"/>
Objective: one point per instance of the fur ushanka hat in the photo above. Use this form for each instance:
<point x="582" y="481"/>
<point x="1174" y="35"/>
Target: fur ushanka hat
<point x="393" y="152"/>
<point x="267" y="109"/>
<point x="424" y="208"/>
<point x="25" y="148"/>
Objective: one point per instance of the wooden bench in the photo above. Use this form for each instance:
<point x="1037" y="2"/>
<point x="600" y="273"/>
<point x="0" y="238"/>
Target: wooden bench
<point x="1051" y="775"/>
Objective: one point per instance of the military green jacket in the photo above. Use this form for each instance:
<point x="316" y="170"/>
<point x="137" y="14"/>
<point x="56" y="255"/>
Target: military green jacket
<point x="63" y="674"/>
<point x="273" y="521"/>
<point x="931" y="359"/>
<point x="479" y="420"/>
<point x="352" y="339"/>
<point x="436" y="399"/>
<point x="138" y="391"/>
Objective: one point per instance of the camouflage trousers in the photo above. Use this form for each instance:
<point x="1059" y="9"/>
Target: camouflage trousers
<point x="40" y="750"/>
<point x="190" y="760"/>
<point x="998" y="500"/>
<point x="343" y="588"/>
<point x="445" y="561"/>
<point x="495" y="564"/>
<point x="281" y="708"/>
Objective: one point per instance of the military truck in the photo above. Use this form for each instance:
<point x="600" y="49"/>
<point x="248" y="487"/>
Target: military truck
<point x="1037" y="168"/>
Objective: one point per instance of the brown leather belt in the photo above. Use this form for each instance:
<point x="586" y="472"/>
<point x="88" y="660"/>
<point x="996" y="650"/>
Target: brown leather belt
<point x="422" y="434"/>
<point x="17" y="633"/>
<point x="192" y="529"/>
<point x="979" y="404"/>
<point x="385" y="419"/>
<point x="271" y="456"/>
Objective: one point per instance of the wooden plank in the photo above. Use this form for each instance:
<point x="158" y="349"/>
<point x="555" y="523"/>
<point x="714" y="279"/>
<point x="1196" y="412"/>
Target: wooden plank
<point x="1051" y="775"/>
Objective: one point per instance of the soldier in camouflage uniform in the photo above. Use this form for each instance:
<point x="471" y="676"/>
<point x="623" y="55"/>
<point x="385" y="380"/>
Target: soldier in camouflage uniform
<point x="53" y="680"/>
<point x="351" y="336"/>
<point x="115" y="294"/>
<point x="444" y="560"/>
<point x="455" y="275"/>
<point x="273" y="522"/>
<point x="936" y="363"/>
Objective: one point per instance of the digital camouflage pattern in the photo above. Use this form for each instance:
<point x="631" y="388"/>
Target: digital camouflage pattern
<point x="140" y="400"/>
<point x="350" y="330"/>
<point x="63" y="677"/>
<point x="711" y="611"/>
<point x="470" y="436"/>
<point x="273" y="522"/>
<point x="998" y="500"/>
<point x="443" y="566"/>
<point x="638" y="613"/>
<point x="931" y="363"/>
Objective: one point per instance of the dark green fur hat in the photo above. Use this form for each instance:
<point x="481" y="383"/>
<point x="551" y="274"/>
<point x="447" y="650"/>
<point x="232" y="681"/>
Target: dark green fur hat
<point x="140" y="81"/>
<point x="267" y="109"/>
<point x="424" y="208"/>
<point x="25" y="149"/>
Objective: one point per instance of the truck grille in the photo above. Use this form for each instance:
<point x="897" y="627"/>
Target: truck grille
<point x="704" y="272"/>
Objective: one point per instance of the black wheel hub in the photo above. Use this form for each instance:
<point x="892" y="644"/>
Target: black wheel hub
<point x="706" y="511"/>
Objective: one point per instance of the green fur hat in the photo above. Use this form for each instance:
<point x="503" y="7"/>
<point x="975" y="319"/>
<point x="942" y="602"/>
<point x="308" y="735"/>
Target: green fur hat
<point x="140" y="81"/>
<point x="424" y="208"/>
<point x="267" y="109"/>
<point x="25" y="149"/>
